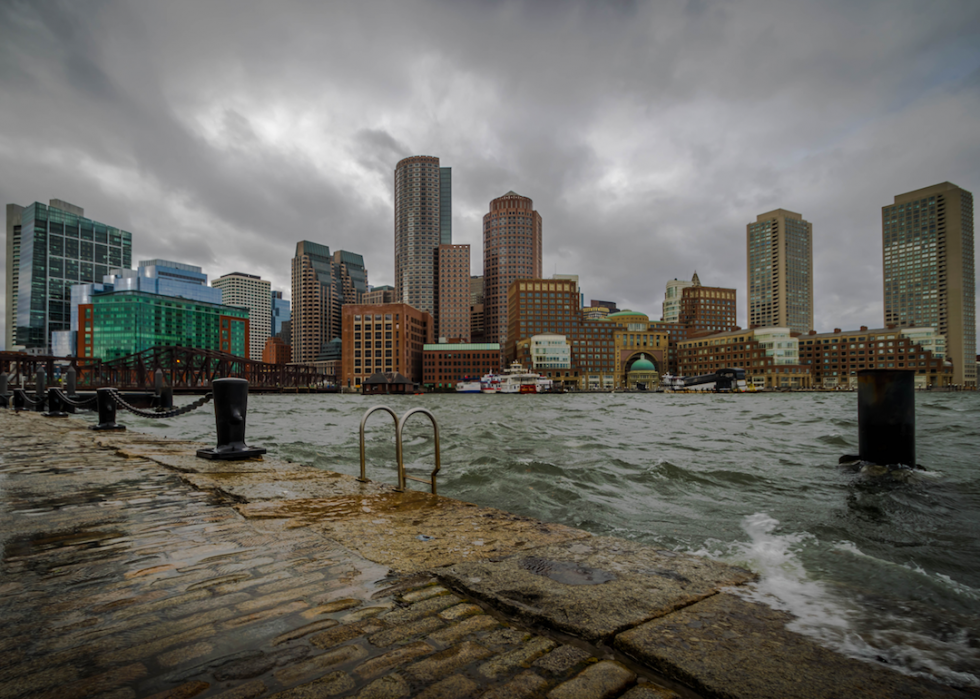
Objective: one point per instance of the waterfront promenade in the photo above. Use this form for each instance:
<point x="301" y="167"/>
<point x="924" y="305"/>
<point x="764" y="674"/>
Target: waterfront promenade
<point x="131" y="568"/>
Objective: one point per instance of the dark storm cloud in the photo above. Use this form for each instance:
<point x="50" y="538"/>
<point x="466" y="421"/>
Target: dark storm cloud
<point x="647" y="134"/>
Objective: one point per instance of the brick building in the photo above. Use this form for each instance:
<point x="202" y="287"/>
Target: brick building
<point x="835" y="358"/>
<point x="452" y="275"/>
<point x="770" y="357"/>
<point x="388" y="338"/>
<point x="446" y="364"/>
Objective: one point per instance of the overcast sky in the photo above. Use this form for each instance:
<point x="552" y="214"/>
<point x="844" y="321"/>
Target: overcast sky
<point x="647" y="134"/>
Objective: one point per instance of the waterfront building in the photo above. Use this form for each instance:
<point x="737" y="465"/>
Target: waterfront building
<point x="601" y="351"/>
<point x="672" y="298"/>
<point x="574" y="278"/>
<point x="770" y="357"/>
<point x="120" y="323"/>
<point x="50" y="249"/>
<point x="701" y="310"/>
<point x="452" y="274"/>
<point x="322" y="284"/>
<point x="835" y="358"/>
<point x="780" y="271"/>
<point x="423" y="221"/>
<point x="446" y="364"/>
<point x="388" y="339"/>
<point x="276" y="351"/>
<point x="548" y="351"/>
<point x="280" y="314"/>
<point x="255" y="294"/>
<point x="379" y="295"/>
<point x="511" y="251"/>
<point x="643" y="375"/>
<point x="929" y="276"/>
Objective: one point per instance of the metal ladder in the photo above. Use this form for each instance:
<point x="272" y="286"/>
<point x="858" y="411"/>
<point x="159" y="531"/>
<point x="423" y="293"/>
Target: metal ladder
<point x="399" y="452"/>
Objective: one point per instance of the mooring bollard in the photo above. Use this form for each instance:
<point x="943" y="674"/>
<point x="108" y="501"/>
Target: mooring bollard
<point x="886" y="417"/>
<point x="230" y="408"/>
<point x="20" y="400"/>
<point x="70" y="382"/>
<point x="55" y="406"/>
<point x="4" y="398"/>
<point x="107" y="411"/>
<point x="40" y="379"/>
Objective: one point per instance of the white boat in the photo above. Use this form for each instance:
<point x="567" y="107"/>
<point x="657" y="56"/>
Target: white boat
<point x="518" y="380"/>
<point x="468" y="386"/>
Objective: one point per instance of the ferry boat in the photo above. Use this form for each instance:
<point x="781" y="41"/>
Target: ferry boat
<point x="515" y="380"/>
<point x="730" y="380"/>
<point x="468" y="385"/>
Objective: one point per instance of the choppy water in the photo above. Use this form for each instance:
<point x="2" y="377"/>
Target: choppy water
<point x="882" y="570"/>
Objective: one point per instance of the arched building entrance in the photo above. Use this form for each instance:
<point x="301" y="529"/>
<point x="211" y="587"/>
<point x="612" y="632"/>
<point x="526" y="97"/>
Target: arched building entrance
<point x="642" y="373"/>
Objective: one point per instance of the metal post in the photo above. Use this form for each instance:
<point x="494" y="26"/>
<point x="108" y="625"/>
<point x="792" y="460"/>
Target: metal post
<point x="72" y="381"/>
<point x="55" y="408"/>
<point x="158" y="382"/>
<point x="40" y="379"/>
<point x="4" y="398"/>
<point x="107" y="411"/>
<point x="230" y="408"/>
<point x="19" y="400"/>
<point x="886" y="416"/>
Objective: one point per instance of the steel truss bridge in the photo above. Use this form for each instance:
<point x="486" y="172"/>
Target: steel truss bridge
<point x="184" y="368"/>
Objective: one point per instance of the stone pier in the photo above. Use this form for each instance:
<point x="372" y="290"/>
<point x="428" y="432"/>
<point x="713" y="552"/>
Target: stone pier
<point x="131" y="568"/>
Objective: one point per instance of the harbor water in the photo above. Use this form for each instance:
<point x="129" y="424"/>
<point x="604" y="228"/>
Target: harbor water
<point x="880" y="568"/>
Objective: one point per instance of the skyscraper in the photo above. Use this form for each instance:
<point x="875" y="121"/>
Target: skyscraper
<point x="927" y="253"/>
<point x="280" y="314"/>
<point x="672" y="298"/>
<point x="50" y="249"/>
<point x="423" y="221"/>
<point x="453" y="297"/>
<point x="511" y="250"/>
<point x="780" y="271"/>
<point x="255" y="294"/>
<point x="322" y="283"/>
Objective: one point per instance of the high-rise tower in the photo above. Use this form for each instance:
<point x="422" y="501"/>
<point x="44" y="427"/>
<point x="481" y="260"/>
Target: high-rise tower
<point x="511" y="250"/>
<point x="255" y="294"/>
<point x="423" y="221"/>
<point x="927" y="254"/>
<point x="780" y="271"/>
<point x="322" y="284"/>
<point x="49" y="250"/>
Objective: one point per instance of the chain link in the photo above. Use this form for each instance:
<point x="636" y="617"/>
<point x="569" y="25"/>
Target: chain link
<point x="74" y="403"/>
<point x="118" y="399"/>
<point x="28" y="399"/>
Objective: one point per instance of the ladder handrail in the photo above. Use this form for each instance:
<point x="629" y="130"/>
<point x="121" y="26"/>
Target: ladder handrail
<point x="400" y="456"/>
<point x="398" y="446"/>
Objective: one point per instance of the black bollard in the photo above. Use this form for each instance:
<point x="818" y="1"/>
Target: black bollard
<point x="55" y="407"/>
<point x="107" y="411"/>
<point x="20" y="400"/>
<point x="71" y="382"/>
<point x="40" y="380"/>
<point x="4" y="397"/>
<point x="230" y="407"/>
<point x="166" y="398"/>
<point x="886" y="417"/>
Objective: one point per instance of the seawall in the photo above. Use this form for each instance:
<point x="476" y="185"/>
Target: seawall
<point x="132" y="568"/>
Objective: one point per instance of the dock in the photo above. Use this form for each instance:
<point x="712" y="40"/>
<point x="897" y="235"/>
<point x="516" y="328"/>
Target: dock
<point x="132" y="568"/>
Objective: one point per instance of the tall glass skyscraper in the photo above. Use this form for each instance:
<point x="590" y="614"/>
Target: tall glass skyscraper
<point x="51" y="249"/>
<point x="929" y="276"/>
<point x="423" y="221"/>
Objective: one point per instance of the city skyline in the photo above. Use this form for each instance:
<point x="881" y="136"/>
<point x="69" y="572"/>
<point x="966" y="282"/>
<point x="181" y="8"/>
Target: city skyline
<point x="646" y="136"/>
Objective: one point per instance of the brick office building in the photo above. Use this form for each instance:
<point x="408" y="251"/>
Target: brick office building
<point x="770" y="357"/>
<point x="388" y="338"/>
<point x="446" y="364"/>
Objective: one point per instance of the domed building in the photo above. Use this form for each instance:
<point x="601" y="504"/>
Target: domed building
<point x="642" y="375"/>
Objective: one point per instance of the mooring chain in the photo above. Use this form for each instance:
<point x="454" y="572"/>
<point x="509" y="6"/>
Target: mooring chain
<point x="74" y="403"/>
<point x="169" y="413"/>
<point x="28" y="399"/>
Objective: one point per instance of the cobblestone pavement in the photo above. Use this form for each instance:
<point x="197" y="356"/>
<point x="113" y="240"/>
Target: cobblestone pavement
<point x="121" y="580"/>
<point x="132" y="569"/>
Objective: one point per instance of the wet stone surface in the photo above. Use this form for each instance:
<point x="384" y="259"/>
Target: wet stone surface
<point x="130" y="568"/>
<point x="122" y="577"/>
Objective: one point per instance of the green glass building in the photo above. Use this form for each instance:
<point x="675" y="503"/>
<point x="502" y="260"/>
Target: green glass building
<point x="126" y="322"/>
<point x="53" y="248"/>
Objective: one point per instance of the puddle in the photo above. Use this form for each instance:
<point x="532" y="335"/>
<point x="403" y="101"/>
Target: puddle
<point x="566" y="572"/>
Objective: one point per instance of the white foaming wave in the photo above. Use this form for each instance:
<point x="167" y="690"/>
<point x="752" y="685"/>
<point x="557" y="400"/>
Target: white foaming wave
<point x="784" y="584"/>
